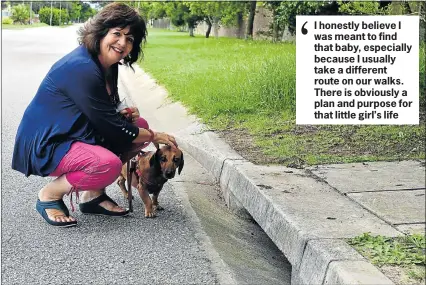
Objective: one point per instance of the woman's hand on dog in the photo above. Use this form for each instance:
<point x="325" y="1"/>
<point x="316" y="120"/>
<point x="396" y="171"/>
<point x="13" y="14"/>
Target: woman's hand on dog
<point x="163" y="138"/>
<point x="135" y="113"/>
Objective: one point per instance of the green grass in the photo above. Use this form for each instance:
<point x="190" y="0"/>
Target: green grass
<point x="407" y="252"/>
<point x="20" y="26"/>
<point x="222" y="76"/>
<point x="382" y="250"/>
<point x="250" y="85"/>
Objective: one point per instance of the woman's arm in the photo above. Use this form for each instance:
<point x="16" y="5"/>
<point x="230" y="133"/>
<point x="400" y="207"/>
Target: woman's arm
<point x="85" y="86"/>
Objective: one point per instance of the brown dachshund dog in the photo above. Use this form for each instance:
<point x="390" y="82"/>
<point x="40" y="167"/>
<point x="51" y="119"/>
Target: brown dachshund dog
<point x="153" y="169"/>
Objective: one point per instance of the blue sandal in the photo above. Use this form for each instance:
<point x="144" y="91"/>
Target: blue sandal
<point x="93" y="208"/>
<point x="58" y="205"/>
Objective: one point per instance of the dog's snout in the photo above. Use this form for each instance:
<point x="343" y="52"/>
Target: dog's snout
<point x="170" y="174"/>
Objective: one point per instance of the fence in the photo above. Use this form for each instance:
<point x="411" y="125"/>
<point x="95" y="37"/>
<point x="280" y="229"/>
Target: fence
<point x="262" y="21"/>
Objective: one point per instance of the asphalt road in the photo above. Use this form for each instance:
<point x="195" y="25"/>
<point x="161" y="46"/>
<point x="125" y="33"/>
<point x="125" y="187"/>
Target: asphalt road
<point x="204" y="244"/>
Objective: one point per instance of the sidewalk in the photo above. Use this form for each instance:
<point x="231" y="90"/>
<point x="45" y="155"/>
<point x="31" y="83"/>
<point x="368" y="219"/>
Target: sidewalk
<point x="305" y="212"/>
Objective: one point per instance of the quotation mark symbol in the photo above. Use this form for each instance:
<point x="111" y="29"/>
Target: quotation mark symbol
<point x="304" y="31"/>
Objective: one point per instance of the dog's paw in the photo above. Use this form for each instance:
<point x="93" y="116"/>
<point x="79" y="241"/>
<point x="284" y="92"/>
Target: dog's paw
<point x="149" y="214"/>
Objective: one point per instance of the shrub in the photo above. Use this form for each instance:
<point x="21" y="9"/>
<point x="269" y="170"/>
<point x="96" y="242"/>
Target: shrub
<point x="64" y="16"/>
<point x="44" y="16"/>
<point x="7" y="21"/>
<point x="20" y="14"/>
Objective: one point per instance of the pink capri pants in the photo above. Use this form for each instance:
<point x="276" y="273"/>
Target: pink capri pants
<point x="92" y="167"/>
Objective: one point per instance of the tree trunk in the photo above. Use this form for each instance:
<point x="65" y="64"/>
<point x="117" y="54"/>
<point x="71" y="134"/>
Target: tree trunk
<point x="209" y="29"/>
<point x="191" y="31"/>
<point x="250" y="20"/>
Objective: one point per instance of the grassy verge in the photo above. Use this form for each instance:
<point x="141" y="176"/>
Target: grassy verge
<point x="249" y="87"/>
<point x="401" y="258"/>
<point x="20" y="27"/>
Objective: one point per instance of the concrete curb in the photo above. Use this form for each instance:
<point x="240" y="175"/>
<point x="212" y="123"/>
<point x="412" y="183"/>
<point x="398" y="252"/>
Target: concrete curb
<point x="314" y="260"/>
<point x="316" y="256"/>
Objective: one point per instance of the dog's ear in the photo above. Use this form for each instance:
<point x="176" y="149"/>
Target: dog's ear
<point x="155" y="160"/>
<point x="157" y="146"/>
<point x="181" y="164"/>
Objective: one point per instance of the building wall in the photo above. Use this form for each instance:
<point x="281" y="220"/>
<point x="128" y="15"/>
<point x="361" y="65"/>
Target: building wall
<point x="5" y="13"/>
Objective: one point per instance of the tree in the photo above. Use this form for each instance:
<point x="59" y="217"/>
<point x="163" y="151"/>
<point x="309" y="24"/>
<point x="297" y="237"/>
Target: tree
<point x="175" y="11"/>
<point x="216" y="13"/>
<point x="44" y="15"/>
<point x="37" y="5"/>
<point x="58" y="16"/>
<point x="211" y="12"/>
<point x="234" y="14"/>
<point x="5" y="4"/>
<point x="361" y="8"/>
<point x="285" y="13"/>
<point x="20" y="14"/>
<point x="75" y="11"/>
<point x="384" y="4"/>
<point x="198" y="10"/>
<point x="144" y="10"/>
<point x="64" y="16"/>
<point x="157" y="10"/>
<point x="180" y="15"/>
<point x="191" y="20"/>
<point x="86" y="12"/>
<point x="231" y="14"/>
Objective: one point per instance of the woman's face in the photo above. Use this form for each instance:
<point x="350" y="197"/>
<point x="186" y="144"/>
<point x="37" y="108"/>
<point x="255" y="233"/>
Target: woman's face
<point x="115" y="46"/>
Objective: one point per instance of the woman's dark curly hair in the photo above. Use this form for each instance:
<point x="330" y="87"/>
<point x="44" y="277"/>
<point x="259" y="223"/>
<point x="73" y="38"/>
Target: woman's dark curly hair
<point x="111" y="16"/>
